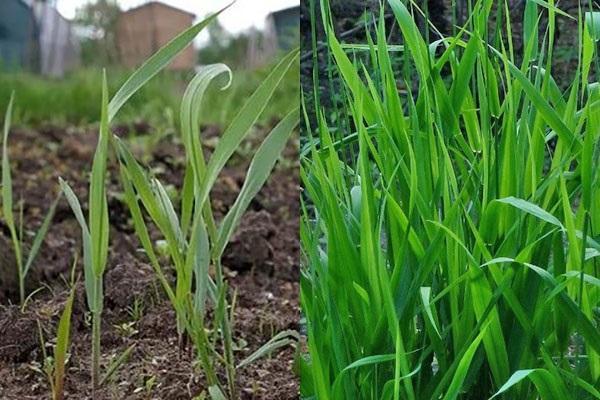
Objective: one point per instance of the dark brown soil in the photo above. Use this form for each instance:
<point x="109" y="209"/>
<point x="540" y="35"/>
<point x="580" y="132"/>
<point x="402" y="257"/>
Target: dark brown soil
<point x="261" y="263"/>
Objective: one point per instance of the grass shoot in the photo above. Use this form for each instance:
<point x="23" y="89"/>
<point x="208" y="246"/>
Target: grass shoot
<point x="16" y="227"/>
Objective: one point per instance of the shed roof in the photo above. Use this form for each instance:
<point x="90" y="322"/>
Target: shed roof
<point x="159" y="3"/>
<point x="287" y="10"/>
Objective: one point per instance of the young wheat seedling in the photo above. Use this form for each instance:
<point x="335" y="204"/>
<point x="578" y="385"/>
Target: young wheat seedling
<point x="23" y="266"/>
<point x="193" y="239"/>
<point x="95" y="234"/>
<point x="95" y="231"/>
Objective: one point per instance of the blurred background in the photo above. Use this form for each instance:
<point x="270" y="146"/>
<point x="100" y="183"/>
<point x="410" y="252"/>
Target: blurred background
<point x="52" y="53"/>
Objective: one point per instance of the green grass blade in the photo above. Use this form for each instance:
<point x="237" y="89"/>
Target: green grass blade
<point x="198" y="260"/>
<point x="98" y="208"/>
<point x="245" y="119"/>
<point x="548" y="386"/>
<point x="62" y="345"/>
<point x="259" y="170"/>
<point x="282" y="339"/>
<point x="141" y="231"/>
<point x="190" y="110"/>
<point x="117" y="363"/>
<point x="40" y="235"/>
<point x="168" y="211"/>
<point x="592" y="22"/>
<point x="7" y="200"/>
<point x="216" y="393"/>
<point x="532" y="209"/>
<point x="463" y="366"/>
<point x="89" y="277"/>
<point x="146" y="192"/>
<point x="156" y="63"/>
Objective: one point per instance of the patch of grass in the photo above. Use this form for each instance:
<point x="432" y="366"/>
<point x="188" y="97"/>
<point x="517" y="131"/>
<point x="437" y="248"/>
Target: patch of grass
<point x="193" y="239"/>
<point x="450" y="229"/>
<point x="74" y="99"/>
<point x="95" y="230"/>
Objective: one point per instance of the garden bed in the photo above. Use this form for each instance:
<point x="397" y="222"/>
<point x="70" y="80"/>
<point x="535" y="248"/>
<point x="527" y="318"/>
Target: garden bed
<point x="261" y="263"/>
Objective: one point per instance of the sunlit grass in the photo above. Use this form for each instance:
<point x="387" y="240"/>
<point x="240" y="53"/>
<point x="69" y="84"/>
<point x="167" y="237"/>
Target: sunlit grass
<point x="450" y="236"/>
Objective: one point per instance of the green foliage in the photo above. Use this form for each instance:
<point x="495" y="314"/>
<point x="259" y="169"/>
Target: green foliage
<point x="23" y="264"/>
<point x="98" y="19"/>
<point x="95" y="231"/>
<point x="449" y="242"/>
<point x="54" y="366"/>
<point x="74" y="100"/>
<point x="193" y="238"/>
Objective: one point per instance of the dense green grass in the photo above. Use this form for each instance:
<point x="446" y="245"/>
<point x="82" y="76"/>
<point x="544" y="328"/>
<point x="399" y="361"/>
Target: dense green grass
<point x="450" y="229"/>
<point x="75" y="99"/>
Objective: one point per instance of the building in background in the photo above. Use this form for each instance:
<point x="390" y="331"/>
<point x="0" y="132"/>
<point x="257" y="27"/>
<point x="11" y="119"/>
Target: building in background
<point x="59" y="49"/>
<point x="283" y="26"/>
<point x="282" y="33"/>
<point x="35" y="37"/>
<point x="18" y="35"/>
<point x="142" y="30"/>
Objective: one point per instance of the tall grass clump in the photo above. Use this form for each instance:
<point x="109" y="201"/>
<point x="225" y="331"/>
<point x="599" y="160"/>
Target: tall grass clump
<point x="450" y="237"/>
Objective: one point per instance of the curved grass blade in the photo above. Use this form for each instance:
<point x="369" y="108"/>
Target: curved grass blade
<point x="548" y="386"/>
<point x="190" y="114"/>
<point x="532" y="209"/>
<point x="282" y="339"/>
<point x="245" y="119"/>
<point x="156" y="63"/>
